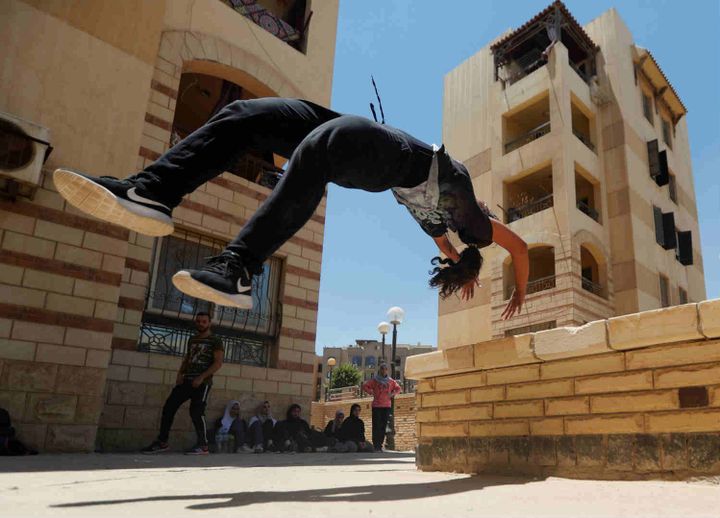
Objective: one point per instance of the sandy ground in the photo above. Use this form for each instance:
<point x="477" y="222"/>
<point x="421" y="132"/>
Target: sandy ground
<point x="320" y="485"/>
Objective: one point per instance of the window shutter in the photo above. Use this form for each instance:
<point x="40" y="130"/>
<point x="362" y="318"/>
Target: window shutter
<point x="669" y="236"/>
<point x="653" y="159"/>
<point x="659" y="236"/>
<point x="663" y="176"/>
<point x="684" y="249"/>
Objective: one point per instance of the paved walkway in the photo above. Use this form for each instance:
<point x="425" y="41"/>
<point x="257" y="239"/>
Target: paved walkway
<point x="319" y="485"/>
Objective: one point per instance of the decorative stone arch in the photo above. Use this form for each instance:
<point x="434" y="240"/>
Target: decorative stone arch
<point x="546" y="269"/>
<point x="598" y="253"/>
<point x="184" y="51"/>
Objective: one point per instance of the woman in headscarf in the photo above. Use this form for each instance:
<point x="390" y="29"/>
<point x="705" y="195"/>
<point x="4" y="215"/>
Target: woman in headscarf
<point x="382" y="388"/>
<point x="261" y="428"/>
<point x="332" y="430"/>
<point x="232" y="424"/>
<point x="352" y="434"/>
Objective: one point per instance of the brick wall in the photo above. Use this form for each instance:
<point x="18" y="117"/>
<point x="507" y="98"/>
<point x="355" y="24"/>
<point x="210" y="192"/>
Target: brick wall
<point x="72" y="289"/>
<point x="630" y="397"/>
<point x="405" y="439"/>
<point x="138" y="384"/>
<point x="60" y="276"/>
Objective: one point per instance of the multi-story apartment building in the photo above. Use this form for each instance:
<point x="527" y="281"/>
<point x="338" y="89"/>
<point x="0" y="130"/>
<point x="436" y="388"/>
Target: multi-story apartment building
<point x="576" y="138"/>
<point x="366" y="356"/>
<point x="91" y="328"/>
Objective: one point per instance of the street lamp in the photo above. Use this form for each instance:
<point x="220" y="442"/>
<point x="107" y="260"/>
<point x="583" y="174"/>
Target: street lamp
<point x="331" y="362"/>
<point x="395" y="316"/>
<point x="384" y="328"/>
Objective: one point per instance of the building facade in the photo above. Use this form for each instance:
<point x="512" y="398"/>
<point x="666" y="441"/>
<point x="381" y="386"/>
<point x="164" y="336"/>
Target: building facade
<point x="91" y="330"/>
<point x="366" y="356"/>
<point x="577" y="140"/>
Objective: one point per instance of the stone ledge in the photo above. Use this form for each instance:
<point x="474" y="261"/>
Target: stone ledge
<point x="709" y="311"/>
<point x="656" y="327"/>
<point x="449" y="361"/>
<point x="569" y="342"/>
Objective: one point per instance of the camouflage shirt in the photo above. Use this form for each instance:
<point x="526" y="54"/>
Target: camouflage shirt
<point x="200" y="355"/>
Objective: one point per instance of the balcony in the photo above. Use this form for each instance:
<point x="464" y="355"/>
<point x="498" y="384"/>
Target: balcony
<point x="528" y="137"/>
<point x="542" y="271"/>
<point x="592" y="287"/>
<point x="526" y="123"/>
<point x="586" y="209"/>
<point x="583" y="124"/>
<point x="585" y="140"/>
<point x="523" y="211"/>
<point x="284" y="19"/>
<point x="531" y="193"/>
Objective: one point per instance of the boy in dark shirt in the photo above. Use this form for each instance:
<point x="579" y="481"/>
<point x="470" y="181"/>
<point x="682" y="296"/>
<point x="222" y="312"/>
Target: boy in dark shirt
<point x="204" y="358"/>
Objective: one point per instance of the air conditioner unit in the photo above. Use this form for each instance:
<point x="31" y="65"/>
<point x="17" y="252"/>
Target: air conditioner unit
<point x="24" y="147"/>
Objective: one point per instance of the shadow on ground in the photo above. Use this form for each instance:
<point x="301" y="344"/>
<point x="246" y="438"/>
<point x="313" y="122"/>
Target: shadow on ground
<point x="351" y="494"/>
<point x="95" y="461"/>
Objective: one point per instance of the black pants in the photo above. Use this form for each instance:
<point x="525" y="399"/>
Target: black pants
<point x="198" y="400"/>
<point x="260" y="433"/>
<point x="379" y="424"/>
<point x="323" y="147"/>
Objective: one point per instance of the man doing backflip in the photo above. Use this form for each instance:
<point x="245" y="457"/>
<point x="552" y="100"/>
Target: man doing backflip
<point x="323" y="146"/>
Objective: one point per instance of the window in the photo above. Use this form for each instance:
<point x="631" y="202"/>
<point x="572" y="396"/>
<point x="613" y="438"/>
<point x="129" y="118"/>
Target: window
<point x="672" y="188"/>
<point x="665" y="234"/>
<point x="683" y="251"/>
<point x="647" y="107"/>
<point x="666" y="133"/>
<point x="166" y="322"/>
<point x="664" y="293"/>
<point x="370" y="362"/>
<point x="682" y="295"/>
<point x="657" y="163"/>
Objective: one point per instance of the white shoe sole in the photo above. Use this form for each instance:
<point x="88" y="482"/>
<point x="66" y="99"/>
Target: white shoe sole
<point x="97" y="201"/>
<point x="189" y="286"/>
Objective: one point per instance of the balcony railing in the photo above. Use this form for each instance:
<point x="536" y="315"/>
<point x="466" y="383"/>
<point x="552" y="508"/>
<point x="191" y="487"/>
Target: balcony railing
<point x="528" y="137"/>
<point x="291" y="33"/>
<point x="528" y="64"/>
<point x="586" y="209"/>
<point x="592" y="287"/>
<point x="542" y="284"/>
<point x="523" y="211"/>
<point x="585" y="140"/>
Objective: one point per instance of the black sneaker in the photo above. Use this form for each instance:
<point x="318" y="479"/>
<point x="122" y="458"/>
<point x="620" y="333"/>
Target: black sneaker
<point x="116" y="201"/>
<point x="155" y="447"/>
<point x="224" y="280"/>
<point x="198" y="450"/>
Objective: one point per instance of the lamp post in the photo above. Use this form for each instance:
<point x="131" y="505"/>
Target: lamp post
<point x="383" y="327"/>
<point x="395" y="316"/>
<point x="331" y="363"/>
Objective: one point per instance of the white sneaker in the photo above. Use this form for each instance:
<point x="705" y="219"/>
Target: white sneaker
<point x="321" y="449"/>
<point x="259" y="449"/>
<point x="246" y="449"/>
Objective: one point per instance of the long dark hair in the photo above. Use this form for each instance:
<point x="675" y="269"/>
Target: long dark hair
<point x="449" y="279"/>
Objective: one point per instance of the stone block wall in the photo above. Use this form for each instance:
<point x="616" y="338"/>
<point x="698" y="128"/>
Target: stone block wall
<point x="72" y="288"/>
<point x="138" y="384"/>
<point x="405" y="407"/>
<point x="635" y="396"/>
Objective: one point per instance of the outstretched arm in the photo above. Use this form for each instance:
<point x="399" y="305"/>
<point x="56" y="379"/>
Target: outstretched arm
<point x="518" y="249"/>
<point x="446" y="247"/>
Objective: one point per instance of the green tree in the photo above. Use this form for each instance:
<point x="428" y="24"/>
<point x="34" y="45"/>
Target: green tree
<point x="345" y="375"/>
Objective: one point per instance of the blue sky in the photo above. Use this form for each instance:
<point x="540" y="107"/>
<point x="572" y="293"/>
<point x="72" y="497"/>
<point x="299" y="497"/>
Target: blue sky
<point x="375" y="255"/>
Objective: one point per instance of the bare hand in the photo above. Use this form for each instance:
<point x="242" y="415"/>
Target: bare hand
<point x="197" y="382"/>
<point x="514" y="305"/>
<point x="468" y="290"/>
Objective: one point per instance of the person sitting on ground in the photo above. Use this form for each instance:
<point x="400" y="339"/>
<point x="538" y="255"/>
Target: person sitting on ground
<point x="232" y="424"/>
<point x="295" y="435"/>
<point x="352" y="434"/>
<point x="261" y="428"/>
<point x="332" y="430"/>
<point x="382" y="388"/>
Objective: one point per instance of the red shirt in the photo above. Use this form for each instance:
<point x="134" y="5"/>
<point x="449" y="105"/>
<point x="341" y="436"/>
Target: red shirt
<point x="381" y="392"/>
